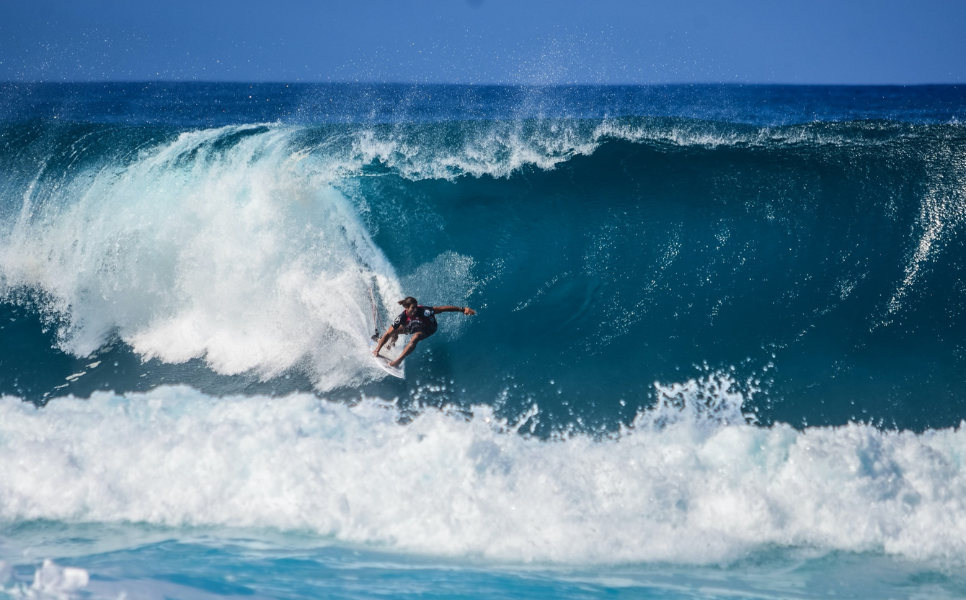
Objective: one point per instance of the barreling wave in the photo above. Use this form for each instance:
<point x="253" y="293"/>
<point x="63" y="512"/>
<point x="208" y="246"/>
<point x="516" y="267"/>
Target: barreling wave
<point x="589" y="243"/>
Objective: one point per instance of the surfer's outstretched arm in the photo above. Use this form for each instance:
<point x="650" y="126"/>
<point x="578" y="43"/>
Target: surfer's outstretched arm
<point x="382" y="342"/>
<point x="466" y="310"/>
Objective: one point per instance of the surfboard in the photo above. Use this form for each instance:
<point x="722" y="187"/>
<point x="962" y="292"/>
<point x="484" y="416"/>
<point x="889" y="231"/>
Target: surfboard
<point x="383" y="363"/>
<point x="381" y="360"/>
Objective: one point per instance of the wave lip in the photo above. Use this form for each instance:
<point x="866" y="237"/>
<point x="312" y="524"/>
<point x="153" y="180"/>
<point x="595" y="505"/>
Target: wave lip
<point x="450" y="150"/>
<point x="691" y="481"/>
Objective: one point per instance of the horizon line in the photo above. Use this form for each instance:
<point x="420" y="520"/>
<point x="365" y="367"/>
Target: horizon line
<point x="474" y="84"/>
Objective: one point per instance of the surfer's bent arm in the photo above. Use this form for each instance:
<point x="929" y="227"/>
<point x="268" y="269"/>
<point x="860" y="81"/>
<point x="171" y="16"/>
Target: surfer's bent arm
<point x="466" y="310"/>
<point x="382" y="341"/>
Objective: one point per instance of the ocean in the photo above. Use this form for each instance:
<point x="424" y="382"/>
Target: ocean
<point x="720" y="348"/>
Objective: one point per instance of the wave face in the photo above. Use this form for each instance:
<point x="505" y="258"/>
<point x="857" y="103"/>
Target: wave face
<point x="819" y="262"/>
<point x="712" y="320"/>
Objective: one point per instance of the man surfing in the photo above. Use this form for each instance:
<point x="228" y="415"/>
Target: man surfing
<point x="417" y="321"/>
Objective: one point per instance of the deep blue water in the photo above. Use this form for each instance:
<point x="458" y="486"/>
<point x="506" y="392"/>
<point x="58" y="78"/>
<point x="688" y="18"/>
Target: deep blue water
<point x="719" y="339"/>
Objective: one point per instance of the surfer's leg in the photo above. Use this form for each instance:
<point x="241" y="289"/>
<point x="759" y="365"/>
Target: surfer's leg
<point x="413" y="340"/>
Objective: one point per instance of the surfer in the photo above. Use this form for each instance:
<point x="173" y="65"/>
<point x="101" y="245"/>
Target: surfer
<point x="417" y="321"/>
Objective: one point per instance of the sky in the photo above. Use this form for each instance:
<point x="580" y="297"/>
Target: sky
<point x="533" y="42"/>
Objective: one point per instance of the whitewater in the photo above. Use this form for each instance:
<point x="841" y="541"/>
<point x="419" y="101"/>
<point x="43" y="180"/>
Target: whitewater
<point x="718" y="351"/>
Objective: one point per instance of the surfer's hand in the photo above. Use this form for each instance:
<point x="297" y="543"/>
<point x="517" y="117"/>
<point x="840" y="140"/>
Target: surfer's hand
<point x="468" y="311"/>
<point x="375" y="352"/>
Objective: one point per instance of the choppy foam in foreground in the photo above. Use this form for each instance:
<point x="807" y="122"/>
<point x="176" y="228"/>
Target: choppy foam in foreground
<point x="690" y="481"/>
<point x="50" y="581"/>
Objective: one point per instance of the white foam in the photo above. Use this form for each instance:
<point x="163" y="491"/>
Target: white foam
<point x="501" y="148"/>
<point x="496" y="148"/>
<point x="51" y="582"/>
<point x="691" y="481"/>
<point x="54" y="581"/>
<point x="208" y="247"/>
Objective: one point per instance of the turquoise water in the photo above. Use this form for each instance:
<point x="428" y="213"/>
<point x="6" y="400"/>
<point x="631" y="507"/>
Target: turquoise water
<point x="214" y="564"/>
<point x="718" y="350"/>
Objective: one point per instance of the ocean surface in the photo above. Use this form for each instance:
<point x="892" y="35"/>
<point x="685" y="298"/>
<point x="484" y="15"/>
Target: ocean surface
<point x="720" y="348"/>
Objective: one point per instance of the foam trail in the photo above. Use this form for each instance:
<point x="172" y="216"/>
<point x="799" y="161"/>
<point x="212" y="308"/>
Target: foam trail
<point x="223" y="244"/>
<point x="691" y="481"/>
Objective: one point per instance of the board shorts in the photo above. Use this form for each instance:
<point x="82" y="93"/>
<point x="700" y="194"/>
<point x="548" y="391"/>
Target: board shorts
<point x="427" y="329"/>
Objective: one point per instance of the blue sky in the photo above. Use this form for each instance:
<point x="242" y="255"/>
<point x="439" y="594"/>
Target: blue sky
<point x="485" y="41"/>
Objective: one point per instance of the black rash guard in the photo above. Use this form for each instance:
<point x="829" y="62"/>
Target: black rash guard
<point x="423" y="321"/>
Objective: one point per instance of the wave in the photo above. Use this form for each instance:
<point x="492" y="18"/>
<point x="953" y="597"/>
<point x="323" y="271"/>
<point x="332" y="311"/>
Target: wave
<point x="693" y="480"/>
<point x="588" y="244"/>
